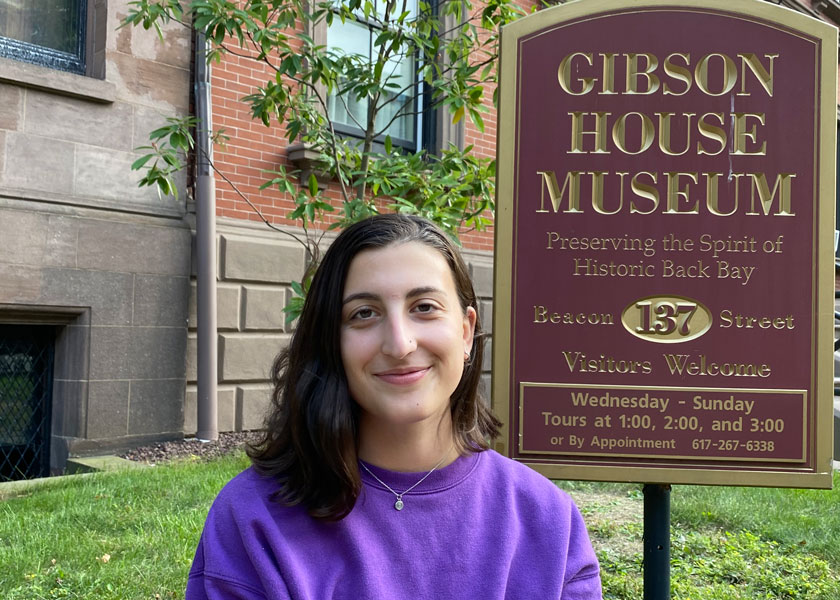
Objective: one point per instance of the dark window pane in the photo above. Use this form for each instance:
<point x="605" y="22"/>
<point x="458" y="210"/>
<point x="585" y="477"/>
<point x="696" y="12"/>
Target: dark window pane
<point x="48" y="32"/>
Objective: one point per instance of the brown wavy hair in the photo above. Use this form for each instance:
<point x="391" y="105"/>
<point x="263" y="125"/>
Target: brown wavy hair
<point x="310" y="441"/>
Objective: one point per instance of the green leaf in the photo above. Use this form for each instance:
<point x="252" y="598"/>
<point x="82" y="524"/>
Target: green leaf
<point x="141" y="162"/>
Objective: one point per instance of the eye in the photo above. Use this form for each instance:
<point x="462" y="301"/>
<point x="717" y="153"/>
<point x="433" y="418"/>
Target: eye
<point x="362" y="314"/>
<point x="425" y="308"/>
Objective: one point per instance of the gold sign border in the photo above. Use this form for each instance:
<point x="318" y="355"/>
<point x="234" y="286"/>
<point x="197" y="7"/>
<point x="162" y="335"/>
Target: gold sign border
<point x="820" y="425"/>
<point x="803" y="396"/>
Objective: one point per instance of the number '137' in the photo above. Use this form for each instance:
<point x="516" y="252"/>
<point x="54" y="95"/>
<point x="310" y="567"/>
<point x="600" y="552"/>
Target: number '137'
<point x="664" y="317"/>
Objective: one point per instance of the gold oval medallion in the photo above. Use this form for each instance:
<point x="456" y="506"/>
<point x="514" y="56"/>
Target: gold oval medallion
<point x="666" y="319"/>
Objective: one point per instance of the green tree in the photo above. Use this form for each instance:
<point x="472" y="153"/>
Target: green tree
<point x="454" y="66"/>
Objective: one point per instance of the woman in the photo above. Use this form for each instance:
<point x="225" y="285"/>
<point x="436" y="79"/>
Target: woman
<point x="374" y="479"/>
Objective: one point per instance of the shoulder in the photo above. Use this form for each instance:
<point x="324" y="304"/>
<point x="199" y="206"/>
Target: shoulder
<point x="526" y="495"/>
<point x="249" y="485"/>
<point x="509" y="474"/>
<point x="545" y="518"/>
<point x="246" y="498"/>
<point x="232" y="554"/>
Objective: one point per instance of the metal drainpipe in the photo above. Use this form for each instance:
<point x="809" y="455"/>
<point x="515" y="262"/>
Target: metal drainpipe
<point x="205" y="243"/>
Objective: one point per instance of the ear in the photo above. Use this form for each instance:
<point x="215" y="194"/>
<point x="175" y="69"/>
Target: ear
<point x="469" y="328"/>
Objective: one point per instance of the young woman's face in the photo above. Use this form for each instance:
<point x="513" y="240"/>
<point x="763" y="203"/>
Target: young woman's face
<point x="403" y="334"/>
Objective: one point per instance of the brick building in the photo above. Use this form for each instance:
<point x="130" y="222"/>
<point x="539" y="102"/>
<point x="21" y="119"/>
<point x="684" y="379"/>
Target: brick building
<point x="256" y="264"/>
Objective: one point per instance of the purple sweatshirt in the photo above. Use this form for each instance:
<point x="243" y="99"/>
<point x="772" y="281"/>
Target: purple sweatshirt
<point x="482" y="528"/>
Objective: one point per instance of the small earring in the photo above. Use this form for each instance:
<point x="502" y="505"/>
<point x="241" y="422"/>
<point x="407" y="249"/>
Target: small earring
<point x="466" y="355"/>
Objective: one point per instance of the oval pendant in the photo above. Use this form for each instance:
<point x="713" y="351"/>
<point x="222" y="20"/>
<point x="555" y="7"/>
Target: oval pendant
<point x="399" y="504"/>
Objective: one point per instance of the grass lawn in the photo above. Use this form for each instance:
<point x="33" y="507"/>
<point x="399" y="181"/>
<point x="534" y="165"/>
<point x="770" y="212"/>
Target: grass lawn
<point x="127" y="535"/>
<point x="132" y="534"/>
<point x="727" y="543"/>
<point x="807" y="518"/>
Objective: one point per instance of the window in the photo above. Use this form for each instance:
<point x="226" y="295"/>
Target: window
<point x="397" y="112"/>
<point x="46" y="32"/>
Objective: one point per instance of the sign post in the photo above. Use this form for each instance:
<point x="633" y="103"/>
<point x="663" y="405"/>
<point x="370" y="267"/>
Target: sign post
<point x="656" y="542"/>
<point x="664" y="243"/>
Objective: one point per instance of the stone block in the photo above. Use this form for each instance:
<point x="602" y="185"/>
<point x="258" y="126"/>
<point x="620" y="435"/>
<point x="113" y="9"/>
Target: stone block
<point x="60" y="243"/>
<point x="11" y="107"/>
<point x="105" y="175"/>
<point x="146" y="120"/>
<point x="226" y="409"/>
<point x="260" y="260"/>
<point x="251" y="405"/>
<point x="156" y="406"/>
<point x="160" y="300"/>
<point x="192" y="357"/>
<point x="487" y="361"/>
<point x="106" y="462"/>
<point x="150" y="83"/>
<point x="133" y="247"/>
<point x="38" y="164"/>
<point x="190" y="409"/>
<point x="72" y="352"/>
<point x="83" y="317"/>
<point x="485" y="309"/>
<point x="263" y="308"/>
<point x="482" y="276"/>
<point x="107" y="409"/>
<point x="138" y="352"/>
<point x="248" y="357"/>
<point x="20" y="284"/>
<point x="76" y="120"/>
<point x="135" y="41"/>
<point x="32" y="238"/>
<point x="23" y="235"/>
<point x="69" y="413"/>
<point x="227" y="307"/>
<point x="108" y="294"/>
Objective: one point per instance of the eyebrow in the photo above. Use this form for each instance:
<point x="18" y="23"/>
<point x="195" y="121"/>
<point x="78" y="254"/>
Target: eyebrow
<point x="413" y="293"/>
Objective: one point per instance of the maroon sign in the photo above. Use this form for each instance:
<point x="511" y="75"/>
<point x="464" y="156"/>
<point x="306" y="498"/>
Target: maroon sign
<point x="659" y="295"/>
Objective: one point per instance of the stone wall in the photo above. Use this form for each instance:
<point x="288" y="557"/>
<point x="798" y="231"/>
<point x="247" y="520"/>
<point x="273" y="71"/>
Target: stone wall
<point x="255" y="269"/>
<point x="86" y="251"/>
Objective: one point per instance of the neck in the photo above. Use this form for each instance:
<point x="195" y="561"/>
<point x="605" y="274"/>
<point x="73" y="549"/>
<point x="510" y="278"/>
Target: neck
<point x="408" y="449"/>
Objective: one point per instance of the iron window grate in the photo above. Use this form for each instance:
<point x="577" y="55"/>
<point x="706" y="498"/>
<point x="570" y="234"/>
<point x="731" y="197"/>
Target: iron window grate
<point x="26" y="365"/>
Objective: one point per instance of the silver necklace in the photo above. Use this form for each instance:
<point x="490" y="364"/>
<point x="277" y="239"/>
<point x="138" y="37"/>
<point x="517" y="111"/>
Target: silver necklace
<point x="399" y="504"/>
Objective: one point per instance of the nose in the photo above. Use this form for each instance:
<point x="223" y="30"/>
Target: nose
<point x="399" y="339"/>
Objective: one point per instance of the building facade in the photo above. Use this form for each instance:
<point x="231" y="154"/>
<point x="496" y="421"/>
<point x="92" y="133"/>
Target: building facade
<point x="94" y="271"/>
<point x="98" y="336"/>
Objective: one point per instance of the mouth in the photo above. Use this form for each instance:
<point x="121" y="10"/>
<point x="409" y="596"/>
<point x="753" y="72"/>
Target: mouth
<point x="403" y="375"/>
